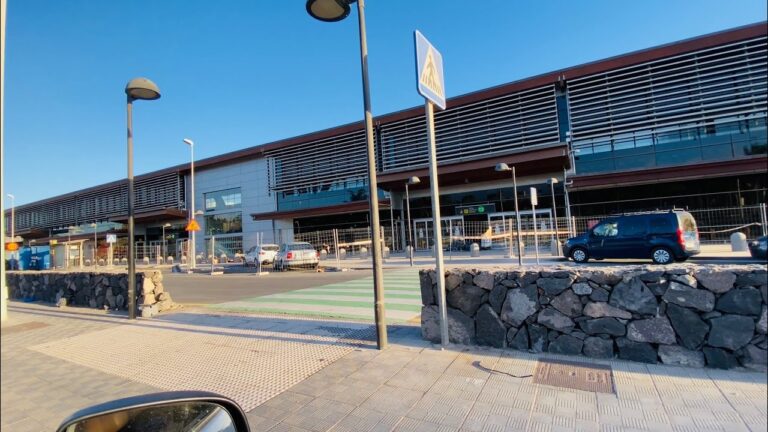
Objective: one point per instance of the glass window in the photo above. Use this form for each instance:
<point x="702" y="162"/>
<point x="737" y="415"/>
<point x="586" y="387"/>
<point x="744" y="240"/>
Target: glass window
<point x="687" y="222"/>
<point x="632" y="226"/>
<point x="225" y="223"/>
<point x="223" y="200"/>
<point x="662" y="224"/>
<point x="607" y="229"/>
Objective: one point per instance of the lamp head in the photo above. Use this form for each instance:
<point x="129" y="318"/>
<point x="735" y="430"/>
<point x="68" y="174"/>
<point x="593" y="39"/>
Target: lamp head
<point x="166" y="225"/>
<point x="414" y="180"/>
<point x="188" y="142"/>
<point x="552" y="181"/>
<point x="329" y="10"/>
<point x="142" y="88"/>
<point x="501" y="167"/>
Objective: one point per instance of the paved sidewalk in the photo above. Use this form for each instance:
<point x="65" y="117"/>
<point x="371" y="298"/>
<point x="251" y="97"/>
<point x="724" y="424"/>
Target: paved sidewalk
<point x="296" y="374"/>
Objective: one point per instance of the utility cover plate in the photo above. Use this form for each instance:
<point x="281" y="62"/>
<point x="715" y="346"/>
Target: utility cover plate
<point x="579" y="376"/>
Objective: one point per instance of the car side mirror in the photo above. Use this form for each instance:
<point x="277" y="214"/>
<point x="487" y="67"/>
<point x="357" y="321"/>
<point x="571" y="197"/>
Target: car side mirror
<point x="177" y="411"/>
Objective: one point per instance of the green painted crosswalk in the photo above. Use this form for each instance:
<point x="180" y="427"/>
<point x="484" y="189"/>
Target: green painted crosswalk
<point x="352" y="299"/>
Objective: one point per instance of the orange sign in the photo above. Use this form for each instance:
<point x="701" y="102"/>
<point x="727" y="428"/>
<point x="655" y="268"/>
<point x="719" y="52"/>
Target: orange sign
<point x="193" y="225"/>
<point x="11" y="247"/>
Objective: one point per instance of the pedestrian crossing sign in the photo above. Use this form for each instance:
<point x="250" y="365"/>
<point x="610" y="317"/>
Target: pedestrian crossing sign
<point x="429" y="71"/>
<point x="193" y="225"/>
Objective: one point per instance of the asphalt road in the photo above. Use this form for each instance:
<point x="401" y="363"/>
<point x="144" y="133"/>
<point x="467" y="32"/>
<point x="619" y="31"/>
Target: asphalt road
<point x="192" y="289"/>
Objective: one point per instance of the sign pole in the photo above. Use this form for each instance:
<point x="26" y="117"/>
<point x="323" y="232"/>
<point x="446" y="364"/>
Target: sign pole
<point x="431" y="85"/>
<point x="534" y="203"/>
<point x="213" y="251"/>
<point x="519" y="225"/>
<point x="436" y="222"/>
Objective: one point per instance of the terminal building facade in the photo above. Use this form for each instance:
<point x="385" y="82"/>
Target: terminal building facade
<point x="681" y="125"/>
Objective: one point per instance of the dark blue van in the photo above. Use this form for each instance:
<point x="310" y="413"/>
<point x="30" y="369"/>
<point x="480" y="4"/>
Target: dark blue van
<point x="664" y="237"/>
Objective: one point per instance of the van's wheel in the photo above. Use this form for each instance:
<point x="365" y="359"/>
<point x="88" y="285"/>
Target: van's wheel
<point x="579" y="255"/>
<point x="662" y="256"/>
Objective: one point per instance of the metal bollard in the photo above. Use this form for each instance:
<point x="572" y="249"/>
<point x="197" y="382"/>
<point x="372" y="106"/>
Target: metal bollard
<point x="474" y="250"/>
<point x="739" y="242"/>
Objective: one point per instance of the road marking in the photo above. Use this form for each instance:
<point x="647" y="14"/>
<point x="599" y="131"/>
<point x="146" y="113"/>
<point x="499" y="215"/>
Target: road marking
<point x="351" y="299"/>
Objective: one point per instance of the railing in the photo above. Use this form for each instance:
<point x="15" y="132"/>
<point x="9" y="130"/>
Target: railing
<point x="714" y="225"/>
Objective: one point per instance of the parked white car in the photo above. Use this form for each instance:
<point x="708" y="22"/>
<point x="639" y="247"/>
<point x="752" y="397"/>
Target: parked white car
<point x="298" y="254"/>
<point x="264" y="254"/>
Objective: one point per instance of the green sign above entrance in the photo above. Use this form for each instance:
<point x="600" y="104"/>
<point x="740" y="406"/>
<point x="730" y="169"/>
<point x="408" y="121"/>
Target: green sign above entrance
<point x="478" y="209"/>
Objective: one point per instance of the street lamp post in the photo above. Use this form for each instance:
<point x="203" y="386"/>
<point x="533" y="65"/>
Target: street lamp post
<point x="552" y="181"/>
<point x="165" y="246"/>
<point x="136" y="89"/>
<point x="13" y="222"/>
<point x="13" y="216"/>
<point x="502" y="167"/>
<point x="336" y="10"/>
<point x="95" y="239"/>
<point x="69" y="240"/>
<point x="191" y="248"/>
<point x="411" y="181"/>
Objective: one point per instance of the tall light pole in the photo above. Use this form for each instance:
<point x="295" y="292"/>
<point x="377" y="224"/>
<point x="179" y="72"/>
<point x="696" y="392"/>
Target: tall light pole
<point x="566" y="183"/>
<point x="69" y="240"/>
<point x="165" y="247"/>
<point x="411" y="181"/>
<point x="502" y="167"/>
<point x="552" y="181"/>
<point x="3" y="303"/>
<point x="136" y="89"/>
<point x="337" y="10"/>
<point x="95" y="240"/>
<point x="13" y="229"/>
<point x="13" y="217"/>
<point x="191" y="248"/>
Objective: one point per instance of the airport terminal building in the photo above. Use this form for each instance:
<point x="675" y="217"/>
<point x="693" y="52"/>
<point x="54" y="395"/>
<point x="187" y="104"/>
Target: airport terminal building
<point x="680" y="125"/>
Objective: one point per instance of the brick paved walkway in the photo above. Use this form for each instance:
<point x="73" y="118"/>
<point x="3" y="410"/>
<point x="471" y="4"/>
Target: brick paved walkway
<point x="410" y="387"/>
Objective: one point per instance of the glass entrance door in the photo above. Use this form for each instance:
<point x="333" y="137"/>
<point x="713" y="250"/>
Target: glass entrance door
<point x="452" y="228"/>
<point x="422" y="233"/>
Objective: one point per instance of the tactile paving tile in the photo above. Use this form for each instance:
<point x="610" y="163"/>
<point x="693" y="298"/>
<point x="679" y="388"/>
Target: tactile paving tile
<point x="247" y="365"/>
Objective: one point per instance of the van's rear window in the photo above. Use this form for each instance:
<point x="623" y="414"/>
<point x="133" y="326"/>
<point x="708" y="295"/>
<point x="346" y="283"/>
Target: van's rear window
<point x="687" y="223"/>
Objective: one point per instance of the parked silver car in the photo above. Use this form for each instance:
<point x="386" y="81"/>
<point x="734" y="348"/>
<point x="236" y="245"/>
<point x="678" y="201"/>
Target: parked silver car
<point x="297" y="255"/>
<point x="264" y="254"/>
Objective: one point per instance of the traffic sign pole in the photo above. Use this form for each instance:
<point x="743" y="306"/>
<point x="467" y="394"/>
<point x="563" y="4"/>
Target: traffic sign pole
<point x="430" y="84"/>
<point x="436" y="223"/>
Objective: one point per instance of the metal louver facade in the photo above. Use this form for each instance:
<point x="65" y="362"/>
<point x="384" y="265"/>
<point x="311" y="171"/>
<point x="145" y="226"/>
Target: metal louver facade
<point x="319" y="163"/>
<point x="505" y="124"/>
<point x="102" y="203"/>
<point x="681" y="91"/>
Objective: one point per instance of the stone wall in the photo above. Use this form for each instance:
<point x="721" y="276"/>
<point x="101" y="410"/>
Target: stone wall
<point x="685" y="315"/>
<point x="96" y="290"/>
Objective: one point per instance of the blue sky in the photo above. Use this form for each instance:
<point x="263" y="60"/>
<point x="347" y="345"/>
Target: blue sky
<point x="239" y="73"/>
